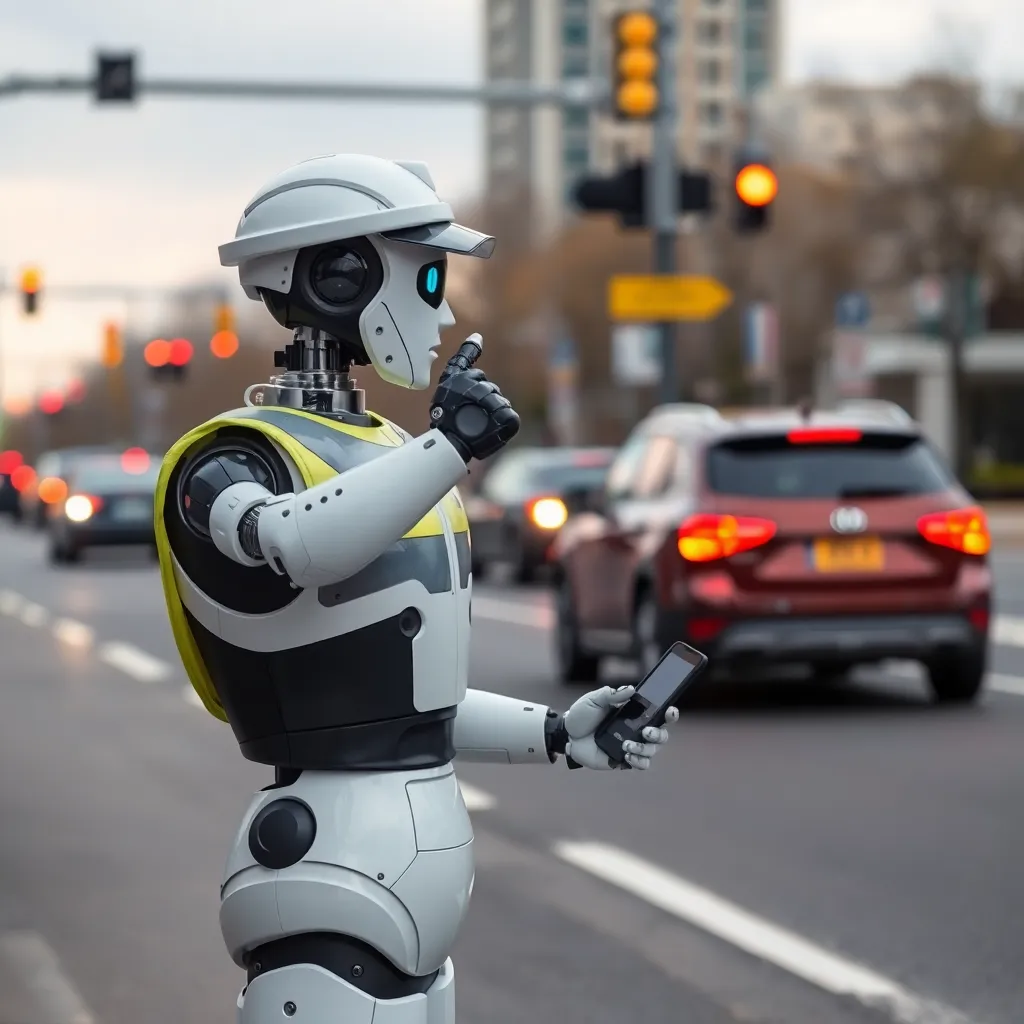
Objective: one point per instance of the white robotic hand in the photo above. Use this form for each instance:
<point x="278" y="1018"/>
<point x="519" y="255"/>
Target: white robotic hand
<point x="586" y="714"/>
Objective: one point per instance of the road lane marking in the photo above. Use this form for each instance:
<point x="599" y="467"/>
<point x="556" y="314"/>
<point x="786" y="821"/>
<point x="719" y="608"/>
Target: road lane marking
<point x="752" y="934"/>
<point x="72" y="633"/>
<point x="135" y="663"/>
<point x="34" y="967"/>
<point x="34" y="615"/>
<point x="514" y="612"/>
<point x="1008" y="630"/>
<point x="10" y="602"/>
<point x="1005" y="684"/>
<point x="476" y="799"/>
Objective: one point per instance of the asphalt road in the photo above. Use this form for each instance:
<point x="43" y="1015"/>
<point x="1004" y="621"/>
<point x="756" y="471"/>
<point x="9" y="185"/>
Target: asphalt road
<point x="795" y="856"/>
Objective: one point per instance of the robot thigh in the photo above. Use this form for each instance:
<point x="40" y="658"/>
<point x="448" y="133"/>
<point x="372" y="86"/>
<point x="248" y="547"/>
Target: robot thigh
<point x="309" y="994"/>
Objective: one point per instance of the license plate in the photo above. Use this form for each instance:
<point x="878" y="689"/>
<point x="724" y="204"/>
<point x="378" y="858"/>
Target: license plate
<point x="865" y="554"/>
<point x="131" y="511"/>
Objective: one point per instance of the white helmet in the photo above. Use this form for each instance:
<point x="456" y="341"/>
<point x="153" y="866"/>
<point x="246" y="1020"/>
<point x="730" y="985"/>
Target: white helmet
<point x="355" y="247"/>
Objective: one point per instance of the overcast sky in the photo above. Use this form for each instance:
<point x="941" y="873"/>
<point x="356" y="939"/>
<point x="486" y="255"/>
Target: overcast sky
<point x="145" y="195"/>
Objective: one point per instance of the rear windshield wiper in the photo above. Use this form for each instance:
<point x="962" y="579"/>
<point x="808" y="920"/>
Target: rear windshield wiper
<point x="873" y="492"/>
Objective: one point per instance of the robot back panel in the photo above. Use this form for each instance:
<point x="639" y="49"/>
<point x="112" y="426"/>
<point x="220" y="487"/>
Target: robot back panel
<point x="362" y="674"/>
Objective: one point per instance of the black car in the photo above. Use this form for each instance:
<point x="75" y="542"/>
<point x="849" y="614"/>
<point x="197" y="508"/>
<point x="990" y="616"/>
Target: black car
<point x="49" y="484"/>
<point x="525" y="498"/>
<point x="10" y="502"/>
<point x="109" y="502"/>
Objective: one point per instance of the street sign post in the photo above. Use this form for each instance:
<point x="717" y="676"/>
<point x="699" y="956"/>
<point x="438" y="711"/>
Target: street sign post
<point x="761" y="343"/>
<point x="664" y="298"/>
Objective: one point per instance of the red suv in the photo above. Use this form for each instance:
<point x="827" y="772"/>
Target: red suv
<point x="785" y="537"/>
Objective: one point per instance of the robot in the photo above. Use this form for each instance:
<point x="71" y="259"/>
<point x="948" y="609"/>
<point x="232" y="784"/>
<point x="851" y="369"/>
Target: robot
<point x="315" y="560"/>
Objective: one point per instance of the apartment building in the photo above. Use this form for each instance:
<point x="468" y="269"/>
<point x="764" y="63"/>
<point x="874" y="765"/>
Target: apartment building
<point x="727" y="51"/>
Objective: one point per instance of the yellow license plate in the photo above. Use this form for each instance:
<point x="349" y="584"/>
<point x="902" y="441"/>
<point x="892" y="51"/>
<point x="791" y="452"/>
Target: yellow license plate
<point x="865" y="554"/>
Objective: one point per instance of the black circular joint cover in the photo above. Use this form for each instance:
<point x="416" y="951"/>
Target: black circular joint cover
<point x="281" y="834"/>
<point x="409" y="622"/>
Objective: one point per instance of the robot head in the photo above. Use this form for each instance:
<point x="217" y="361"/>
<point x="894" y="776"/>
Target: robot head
<point x="355" y="247"/>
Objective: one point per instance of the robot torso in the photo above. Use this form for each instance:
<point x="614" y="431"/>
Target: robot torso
<point x="363" y="674"/>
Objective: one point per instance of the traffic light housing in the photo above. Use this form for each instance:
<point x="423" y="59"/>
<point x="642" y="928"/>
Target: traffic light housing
<point x="113" y="346"/>
<point x="755" y="187"/>
<point x="635" y="73"/>
<point x="30" y="285"/>
<point x="625" y="194"/>
<point x="115" y="78"/>
<point x="168" y="360"/>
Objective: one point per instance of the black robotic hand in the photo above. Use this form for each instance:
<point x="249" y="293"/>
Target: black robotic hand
<point x="470" y="410"/>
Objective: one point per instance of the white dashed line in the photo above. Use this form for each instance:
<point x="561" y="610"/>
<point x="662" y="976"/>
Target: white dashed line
<point x="35" y="986"/>
<point x="74" y="634"/>
<point x="1005" y="684"/>
<point x="10" y="602"/>
<point x="514" y="612"/>
<point x="34" y="615"/>
<point x="752" y="934"/>
<point x="1008" y="630"/>
<point x="476" y="799"/>
<point x="135" y="663"/>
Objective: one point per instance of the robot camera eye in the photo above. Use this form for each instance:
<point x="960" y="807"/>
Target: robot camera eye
<point x="338" y="276"/>
<point x="430" y="283"/>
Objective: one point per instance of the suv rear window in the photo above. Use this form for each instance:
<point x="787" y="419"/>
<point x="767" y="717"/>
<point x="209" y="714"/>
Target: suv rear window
<point x="877" y="466"/>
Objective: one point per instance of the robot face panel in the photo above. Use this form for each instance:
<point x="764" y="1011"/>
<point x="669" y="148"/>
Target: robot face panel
<point x="401" y="328"/>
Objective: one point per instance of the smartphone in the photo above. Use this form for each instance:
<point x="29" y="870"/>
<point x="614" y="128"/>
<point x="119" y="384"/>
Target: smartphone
<point x="655" y="694"/>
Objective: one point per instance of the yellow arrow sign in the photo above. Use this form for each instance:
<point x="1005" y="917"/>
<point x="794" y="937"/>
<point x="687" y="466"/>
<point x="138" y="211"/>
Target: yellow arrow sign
<point x="654" y="297"/>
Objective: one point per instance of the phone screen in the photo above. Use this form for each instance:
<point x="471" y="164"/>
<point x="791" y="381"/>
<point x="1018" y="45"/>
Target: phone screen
<point x="666" y="678"/>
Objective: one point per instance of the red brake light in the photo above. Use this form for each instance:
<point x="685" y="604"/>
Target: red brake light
<point x="23" y="477"/>
<point x="704" y="538"/>
<point x="9" y="462"/>
<point x="135" y="461"/>
<point x="824" y="435"/>
<point x="965" y="529"/>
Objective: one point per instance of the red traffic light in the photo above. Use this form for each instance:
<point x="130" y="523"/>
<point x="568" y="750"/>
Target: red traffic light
<point x="180" y="352"/>
<point x="9" y="462"/>
<point x="157" y="352"/>
<point x="224" y="344"/>
<point x="135" y="461"/>
<point x="51" y="402"/>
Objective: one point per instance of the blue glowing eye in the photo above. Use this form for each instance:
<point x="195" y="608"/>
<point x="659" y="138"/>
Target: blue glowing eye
<point x="432" y="276"/>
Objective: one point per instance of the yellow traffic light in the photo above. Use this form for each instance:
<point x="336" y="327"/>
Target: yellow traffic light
<point x="224" y="319"/>
<point x="113" y="347"/>
<point x="636" y="66"/>
<point x="31" y="282"/>
<point x="756" y="185"/>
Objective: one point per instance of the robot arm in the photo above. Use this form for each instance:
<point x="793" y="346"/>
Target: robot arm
<point x="331" y="531"/>
<point x="490" y="727"/>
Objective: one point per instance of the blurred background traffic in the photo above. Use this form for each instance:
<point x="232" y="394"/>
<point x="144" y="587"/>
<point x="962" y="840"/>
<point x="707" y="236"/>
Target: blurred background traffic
<point x="758" y="297"/>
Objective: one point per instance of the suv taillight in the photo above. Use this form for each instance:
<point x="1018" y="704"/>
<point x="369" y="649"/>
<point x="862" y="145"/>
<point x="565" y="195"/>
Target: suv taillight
<point x="704" y="538"/>
<point x="965" y="529"/>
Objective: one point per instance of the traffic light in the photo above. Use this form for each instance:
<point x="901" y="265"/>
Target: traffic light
<point x="113" y="346"/>
<point x="224" y="343"/>
<point x="636" y="66"/>
<point x="31" y="283"/>
<point x="756" y="187"/>
<point x="115" y="78"/>
<point x="168" y="359"/>
<point x="625" y="193"/>
<point x="51" y="403"/>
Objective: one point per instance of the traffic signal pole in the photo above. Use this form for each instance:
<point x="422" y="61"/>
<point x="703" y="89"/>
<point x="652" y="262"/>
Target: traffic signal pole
<point x="664" y="202"/>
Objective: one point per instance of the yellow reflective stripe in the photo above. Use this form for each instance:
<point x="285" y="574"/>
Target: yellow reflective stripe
<point x="429" y="526"/>
<point x="452" y="504"/>
<point x="313" y="469"/>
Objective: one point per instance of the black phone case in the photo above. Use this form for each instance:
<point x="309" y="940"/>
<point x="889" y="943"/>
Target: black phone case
<point x="611" y="745"/>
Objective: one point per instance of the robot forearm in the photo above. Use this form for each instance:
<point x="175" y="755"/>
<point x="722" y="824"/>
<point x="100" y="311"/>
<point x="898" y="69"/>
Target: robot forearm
<point x="492" y="727"/>
<point x="331" y="531"/>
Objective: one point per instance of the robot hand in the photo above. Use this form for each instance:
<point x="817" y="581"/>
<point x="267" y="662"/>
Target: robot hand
<point x="583" y="718"/>
<point x="473" y="414"/>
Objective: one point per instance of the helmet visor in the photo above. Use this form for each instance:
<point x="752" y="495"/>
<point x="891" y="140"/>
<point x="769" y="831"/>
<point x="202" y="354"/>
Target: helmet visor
<point x="446" y="236"/>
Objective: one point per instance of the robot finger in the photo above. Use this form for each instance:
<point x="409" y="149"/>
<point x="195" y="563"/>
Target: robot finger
<point x="655" y="735"/>
<point x="638" y="762"/>
<point x="671" y="715"/>
<point x="642" y="749"/>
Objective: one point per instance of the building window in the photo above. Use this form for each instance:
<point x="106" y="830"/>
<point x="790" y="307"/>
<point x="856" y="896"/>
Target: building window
<point x="755" y="35"/>
<point x="709" y="72"/>
<point x="711" y="113"/>
<point x="577" y="156"/>
<point x="576" y="117"/>
<point x="709" y="32"/>
<point x="574" y="33"/>
<point x="502" y="13"/>
<point x="757" y="5"/>
<point x="575" y="65"/>
<point x="755" y="72"/>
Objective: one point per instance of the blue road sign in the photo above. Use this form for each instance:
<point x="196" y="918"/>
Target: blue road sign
<point x="853" y="310"/>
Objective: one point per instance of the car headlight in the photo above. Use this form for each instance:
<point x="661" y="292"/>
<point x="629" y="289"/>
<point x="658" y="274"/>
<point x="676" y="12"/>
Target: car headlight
<point x="78" y="508"/>
<point x="548" y="513"/>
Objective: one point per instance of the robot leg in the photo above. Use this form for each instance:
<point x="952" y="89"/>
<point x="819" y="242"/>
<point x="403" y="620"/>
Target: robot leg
<point x="343" y="896"/>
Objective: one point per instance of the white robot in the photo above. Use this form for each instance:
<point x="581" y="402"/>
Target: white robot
<point x="315" y="561"/>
